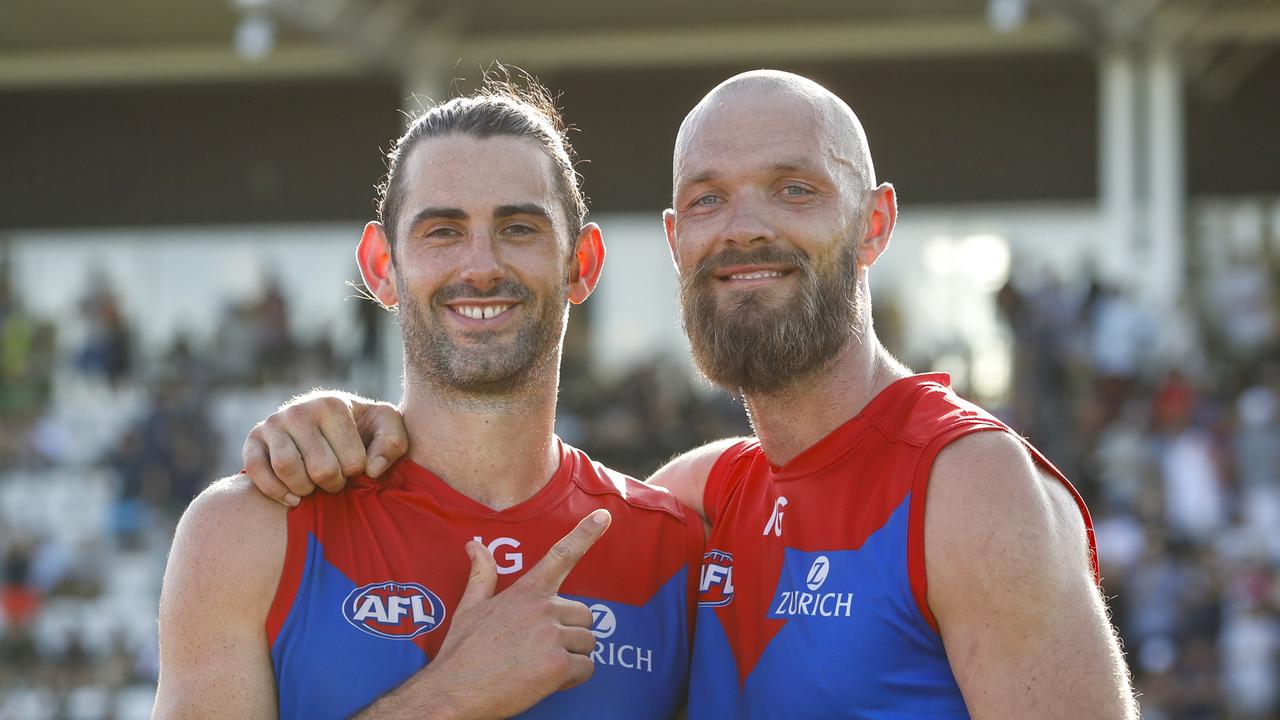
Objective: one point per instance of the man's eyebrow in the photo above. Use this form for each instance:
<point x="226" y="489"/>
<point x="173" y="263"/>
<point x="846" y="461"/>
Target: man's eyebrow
<point x="785" y="166"/>
<point x="438" y="213"/>
<point x="788" y="166"/>
<point x="702" y="177"/>
<point x="506" y="211"/>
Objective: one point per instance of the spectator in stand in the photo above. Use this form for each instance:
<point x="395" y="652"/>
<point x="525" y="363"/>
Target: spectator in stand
<point x="108" y="352"/>
<point x="274" y="346"/>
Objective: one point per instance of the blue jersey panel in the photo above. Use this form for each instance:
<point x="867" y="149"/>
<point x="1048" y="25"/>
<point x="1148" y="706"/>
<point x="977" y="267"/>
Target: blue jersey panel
<point x="326" y="667"/>
<point x="641" y="660"/>
<point x="851" y="639"/>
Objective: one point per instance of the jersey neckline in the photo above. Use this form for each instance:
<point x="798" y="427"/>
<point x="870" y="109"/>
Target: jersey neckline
<point x="547" y="498"/>
<point x="832" y="447"/>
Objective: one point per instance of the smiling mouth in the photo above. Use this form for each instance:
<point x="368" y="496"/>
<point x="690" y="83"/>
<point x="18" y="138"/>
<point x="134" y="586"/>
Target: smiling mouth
<point x="745" y="275"/>
<point x="480" y="312"/>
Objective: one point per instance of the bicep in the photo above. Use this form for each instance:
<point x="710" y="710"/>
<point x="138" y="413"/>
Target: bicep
<point x="214" y="659"/>
<point x="1012" y="588"/>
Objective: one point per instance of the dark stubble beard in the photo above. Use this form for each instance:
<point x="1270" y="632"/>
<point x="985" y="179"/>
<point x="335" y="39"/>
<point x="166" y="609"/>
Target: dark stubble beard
<point x="746" y="345"/>
<point x="492" y="368"/>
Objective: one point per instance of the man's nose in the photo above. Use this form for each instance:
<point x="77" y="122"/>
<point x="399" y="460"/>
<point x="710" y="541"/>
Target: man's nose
<point x="481" y="264"/>
<point x="747" y="224"/>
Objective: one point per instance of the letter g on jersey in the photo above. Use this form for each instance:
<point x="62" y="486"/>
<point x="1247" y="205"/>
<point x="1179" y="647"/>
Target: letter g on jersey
<point x="508" y="562"/>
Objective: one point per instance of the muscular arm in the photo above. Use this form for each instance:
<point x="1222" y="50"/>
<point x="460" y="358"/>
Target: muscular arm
<point x="1010" y="584"/>
<point x="223" y="570"/>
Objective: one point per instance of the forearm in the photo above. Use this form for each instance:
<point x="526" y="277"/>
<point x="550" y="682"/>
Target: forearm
<point x="426" y="695"/>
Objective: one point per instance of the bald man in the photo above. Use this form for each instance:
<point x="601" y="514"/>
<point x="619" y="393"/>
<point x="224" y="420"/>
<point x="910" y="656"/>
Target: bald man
<point x="881" y="548"/>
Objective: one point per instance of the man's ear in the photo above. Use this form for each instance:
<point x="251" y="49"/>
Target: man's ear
<point x="588" y="261"/>
<point x="669" y="225"/>
<point x="882" y="215"/>
<point x="373" y="255"/>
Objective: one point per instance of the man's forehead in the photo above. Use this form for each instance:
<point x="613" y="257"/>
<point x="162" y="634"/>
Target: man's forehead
<point x="767" y="121"/>
<point x="745" y="136"/>
<point x="490" y="170"/>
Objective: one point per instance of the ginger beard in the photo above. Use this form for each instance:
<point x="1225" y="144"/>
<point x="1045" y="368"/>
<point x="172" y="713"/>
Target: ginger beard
<point x="746" y="344"/>
<point x="478" y="362"/>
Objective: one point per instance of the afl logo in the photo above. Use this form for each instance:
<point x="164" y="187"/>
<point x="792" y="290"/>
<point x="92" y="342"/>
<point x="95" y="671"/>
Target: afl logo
<point x="394" y="610"/>
<point x="603" y="623"/>
<point x="715" y="585"/>
<point x="818" y="572"/>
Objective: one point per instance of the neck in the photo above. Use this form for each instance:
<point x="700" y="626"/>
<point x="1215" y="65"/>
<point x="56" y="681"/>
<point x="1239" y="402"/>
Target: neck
<point x="496" y="450"/>
<point x="793" y="419"/>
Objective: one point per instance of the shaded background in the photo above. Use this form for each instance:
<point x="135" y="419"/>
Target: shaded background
<point x="1090" y="197"/>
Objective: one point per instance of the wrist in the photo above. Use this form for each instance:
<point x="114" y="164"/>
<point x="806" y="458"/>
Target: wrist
<point x="443" y="698"/>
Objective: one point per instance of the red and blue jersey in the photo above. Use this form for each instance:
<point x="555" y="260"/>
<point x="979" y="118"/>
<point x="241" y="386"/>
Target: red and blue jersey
<point x="812" y="589"/>
<point x="372" y="576"/>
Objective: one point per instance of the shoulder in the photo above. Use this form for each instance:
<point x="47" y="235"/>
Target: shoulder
<point x="223" y="570"/>
<point x="686" y="475"/>
<point x="994" y="519"/>
<point x="230" y="542"/>
<point x="994" y="473"/>
<point x="230" y="503"/>
<point x="625" y="491"/>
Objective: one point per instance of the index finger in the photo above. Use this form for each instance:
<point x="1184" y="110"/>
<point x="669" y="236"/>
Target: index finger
<point x="565" y="554"/>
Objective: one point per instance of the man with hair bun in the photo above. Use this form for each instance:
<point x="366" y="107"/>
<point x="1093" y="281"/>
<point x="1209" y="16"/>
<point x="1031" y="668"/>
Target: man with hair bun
<point x="881" y="548"/>
<point x="475" y="578"/>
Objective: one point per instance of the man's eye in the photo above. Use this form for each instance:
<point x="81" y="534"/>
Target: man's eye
<point x="519" y="230"/>
<point x="796" y="191"/>
<point x="706" y="201"/>
<point x="443" y="232"/>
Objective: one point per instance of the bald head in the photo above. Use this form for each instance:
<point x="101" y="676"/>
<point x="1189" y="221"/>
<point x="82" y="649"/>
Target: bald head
<point x="787" y="100"/>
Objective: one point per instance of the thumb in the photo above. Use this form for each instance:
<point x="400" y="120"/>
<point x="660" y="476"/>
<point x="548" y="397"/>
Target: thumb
<point x="483" y="578"/>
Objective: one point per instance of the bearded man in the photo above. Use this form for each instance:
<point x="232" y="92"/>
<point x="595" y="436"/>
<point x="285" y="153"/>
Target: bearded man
<point x="881" y="548"/>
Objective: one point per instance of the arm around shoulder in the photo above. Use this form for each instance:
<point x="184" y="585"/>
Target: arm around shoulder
<point x="1012" y="588"/>
<point x="223" y="569"/>
<point x="685" y="475"/>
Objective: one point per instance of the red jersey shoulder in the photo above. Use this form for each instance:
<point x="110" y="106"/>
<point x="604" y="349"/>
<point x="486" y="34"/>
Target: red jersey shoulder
<point x="595" y="479"/>
<point x="727" y="473"/>
<point x="927" y="407"/>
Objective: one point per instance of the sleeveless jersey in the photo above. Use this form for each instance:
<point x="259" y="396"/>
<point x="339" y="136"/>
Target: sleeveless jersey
<point x="372" y="576"/>
<point x="812" y="592"/>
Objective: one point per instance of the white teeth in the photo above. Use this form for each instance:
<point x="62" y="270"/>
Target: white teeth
<point x="756" y="275"/>
<point x="481" y="312"/>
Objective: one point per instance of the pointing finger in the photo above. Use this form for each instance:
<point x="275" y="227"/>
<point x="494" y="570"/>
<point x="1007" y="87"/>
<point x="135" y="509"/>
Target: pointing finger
<point x="565" y="554"/>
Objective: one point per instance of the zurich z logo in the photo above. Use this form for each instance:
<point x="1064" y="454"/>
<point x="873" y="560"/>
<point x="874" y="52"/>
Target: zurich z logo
<point x="715" y="586"/>
<point x="394" y="610"/>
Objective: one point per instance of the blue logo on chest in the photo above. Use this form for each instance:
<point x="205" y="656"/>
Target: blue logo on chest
<point x="394" y="610"/>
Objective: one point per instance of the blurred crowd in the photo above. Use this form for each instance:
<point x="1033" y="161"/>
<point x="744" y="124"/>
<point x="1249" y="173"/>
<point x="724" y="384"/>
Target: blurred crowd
<point x="1168" y="422"/>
